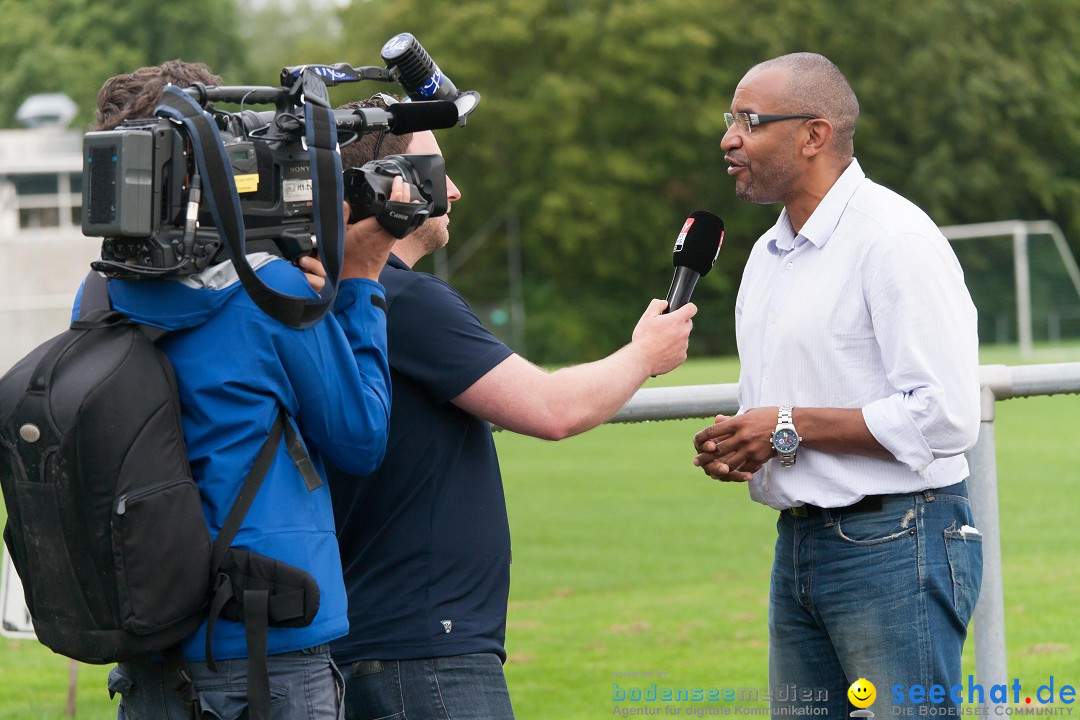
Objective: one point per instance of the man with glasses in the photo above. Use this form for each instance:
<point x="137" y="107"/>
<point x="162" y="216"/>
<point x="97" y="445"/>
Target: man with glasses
<point x="425" y="540"/>
<point x="859" y="393"/>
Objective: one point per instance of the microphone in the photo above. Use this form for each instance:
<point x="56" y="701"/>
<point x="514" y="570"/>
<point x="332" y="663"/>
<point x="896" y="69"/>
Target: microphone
<point x="399" y="118"/>
<point x="422" y="79"/>
<point x="418" y="73"/>
<point x="413" y="116"/>
<point x="696" y="250"/>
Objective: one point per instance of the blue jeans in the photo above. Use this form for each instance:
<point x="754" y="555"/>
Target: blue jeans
<point x="303" y="684"/>
<point x="462" y="687"/>
<point x="882" y="595"/>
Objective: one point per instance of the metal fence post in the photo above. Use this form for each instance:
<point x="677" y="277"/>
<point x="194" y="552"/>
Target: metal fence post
<point x="989" y="620"/>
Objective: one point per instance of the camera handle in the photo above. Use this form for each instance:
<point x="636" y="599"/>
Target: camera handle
<point x="321" y="141"/>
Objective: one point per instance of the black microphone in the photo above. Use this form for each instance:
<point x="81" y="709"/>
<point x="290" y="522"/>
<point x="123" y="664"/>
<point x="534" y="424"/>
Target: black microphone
<point x="418" y="73"/>
<point x="399" y="118"/>
<point x="696" y="250"/>
<point x="414" y="116"/>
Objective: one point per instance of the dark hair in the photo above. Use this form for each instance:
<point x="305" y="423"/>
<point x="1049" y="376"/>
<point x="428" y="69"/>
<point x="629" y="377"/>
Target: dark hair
<point x="136" y="94"/>
<point x="372" y="146"/>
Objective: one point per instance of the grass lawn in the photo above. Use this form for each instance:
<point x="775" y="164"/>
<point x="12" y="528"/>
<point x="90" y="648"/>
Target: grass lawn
<point x="628" y="559"/>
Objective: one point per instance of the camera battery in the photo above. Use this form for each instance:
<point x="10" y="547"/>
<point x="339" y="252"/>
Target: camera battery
<point x="119" y="187"/>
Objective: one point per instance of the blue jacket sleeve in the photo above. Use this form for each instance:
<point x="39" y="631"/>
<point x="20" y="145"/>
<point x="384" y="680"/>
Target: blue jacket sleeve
<point x="341" y="382"/>
<point x="360" y="310"/>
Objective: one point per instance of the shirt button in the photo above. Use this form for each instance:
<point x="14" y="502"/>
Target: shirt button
<point x="790" y="265"/>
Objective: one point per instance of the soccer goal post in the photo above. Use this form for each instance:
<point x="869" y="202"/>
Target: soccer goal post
<point x="1021" y="231"/>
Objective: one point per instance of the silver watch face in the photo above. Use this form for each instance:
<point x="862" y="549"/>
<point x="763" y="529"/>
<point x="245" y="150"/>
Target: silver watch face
<point x="785" y="440"/>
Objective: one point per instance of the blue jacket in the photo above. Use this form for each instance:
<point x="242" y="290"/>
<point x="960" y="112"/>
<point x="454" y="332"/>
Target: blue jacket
<point x="235" y="366"/>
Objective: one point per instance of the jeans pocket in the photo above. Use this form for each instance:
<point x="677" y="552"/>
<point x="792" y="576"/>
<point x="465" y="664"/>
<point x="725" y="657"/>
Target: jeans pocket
<point x="373" y="691"/>
<point x="339" y="682"/>
<point x="964" y="548"/>
<point x="230" y="703"/>
<point x="222" y="704"/>
<point x="120" y="682"/>
<point x="875" y="528"/>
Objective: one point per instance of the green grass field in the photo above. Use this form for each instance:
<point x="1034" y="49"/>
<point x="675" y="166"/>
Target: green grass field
<point x="627" y="558"/>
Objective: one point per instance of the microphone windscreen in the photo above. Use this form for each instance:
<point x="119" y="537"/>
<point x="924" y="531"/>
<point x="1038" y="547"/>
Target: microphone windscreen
<point x="429" y="115"/>
<point x="699" y="242"/>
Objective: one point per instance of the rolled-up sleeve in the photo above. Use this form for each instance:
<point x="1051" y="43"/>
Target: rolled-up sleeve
<point x="926" y="326"/>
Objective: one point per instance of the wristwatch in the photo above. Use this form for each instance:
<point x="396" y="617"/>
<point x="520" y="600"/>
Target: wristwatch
<point x="785" y="439"/>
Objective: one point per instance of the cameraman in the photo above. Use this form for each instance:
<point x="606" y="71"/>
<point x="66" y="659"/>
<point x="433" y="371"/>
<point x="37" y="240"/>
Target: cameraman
<point x="235" y="367"/>
<point x="425" y="540"/>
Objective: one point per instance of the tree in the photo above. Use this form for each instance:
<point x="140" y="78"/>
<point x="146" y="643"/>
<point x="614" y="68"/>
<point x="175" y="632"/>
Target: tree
<point x="73" y="46"/>
<point x="599" y="127"/>
<point x="601" y="121"/>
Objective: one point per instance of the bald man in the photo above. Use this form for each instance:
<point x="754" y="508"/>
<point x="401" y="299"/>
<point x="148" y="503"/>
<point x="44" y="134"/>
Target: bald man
<point x="859" y="394"/>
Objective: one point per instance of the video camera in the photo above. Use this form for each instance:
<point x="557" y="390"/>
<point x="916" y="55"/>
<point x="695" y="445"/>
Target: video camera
<point x="145" y="187"/>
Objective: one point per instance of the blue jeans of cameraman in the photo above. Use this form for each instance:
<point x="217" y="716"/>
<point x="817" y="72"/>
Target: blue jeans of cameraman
<point x="461" y="687"/>
<point x="303" y="684"/>
<point x="882" y="594"/>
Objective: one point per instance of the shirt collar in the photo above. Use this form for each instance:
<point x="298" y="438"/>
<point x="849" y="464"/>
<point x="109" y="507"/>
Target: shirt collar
<point x="395" y="262"/>
<point x="821" y="223"/>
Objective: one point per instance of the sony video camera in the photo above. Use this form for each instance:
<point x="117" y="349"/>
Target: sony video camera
<point x="145" y="193"/>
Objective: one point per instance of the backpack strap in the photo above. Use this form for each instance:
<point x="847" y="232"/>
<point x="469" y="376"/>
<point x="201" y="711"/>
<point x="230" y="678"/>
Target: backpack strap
<point x="95" y="299"/>
<point x="256" y="603"/>
<point x="95" y="295"/>
<point x="256" y="617"/>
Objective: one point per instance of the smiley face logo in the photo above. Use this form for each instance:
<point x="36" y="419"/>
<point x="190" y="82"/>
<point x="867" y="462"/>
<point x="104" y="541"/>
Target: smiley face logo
<point x="862" y="693"/>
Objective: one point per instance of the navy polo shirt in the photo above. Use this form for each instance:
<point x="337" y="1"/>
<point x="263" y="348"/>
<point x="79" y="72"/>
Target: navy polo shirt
<point x="425" y="541"/>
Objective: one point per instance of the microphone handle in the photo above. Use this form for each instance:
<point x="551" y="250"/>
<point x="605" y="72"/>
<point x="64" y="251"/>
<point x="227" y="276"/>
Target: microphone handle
<point x="682" y="285"/>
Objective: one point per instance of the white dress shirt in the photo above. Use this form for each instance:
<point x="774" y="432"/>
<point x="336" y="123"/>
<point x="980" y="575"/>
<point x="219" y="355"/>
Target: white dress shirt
<point x="866" y="307"/>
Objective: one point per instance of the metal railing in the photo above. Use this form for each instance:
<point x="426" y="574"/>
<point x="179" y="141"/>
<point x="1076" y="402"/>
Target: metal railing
<point x="999" y="382"/>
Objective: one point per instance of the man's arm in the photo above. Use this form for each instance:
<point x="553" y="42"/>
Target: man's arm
<point x="367" y="246"/>
<point x="519" y="396"/>
<point x="734" y="448"/>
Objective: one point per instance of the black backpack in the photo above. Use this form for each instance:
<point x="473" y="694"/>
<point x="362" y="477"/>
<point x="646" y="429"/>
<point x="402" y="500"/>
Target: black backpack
<point x="105" y="525"/>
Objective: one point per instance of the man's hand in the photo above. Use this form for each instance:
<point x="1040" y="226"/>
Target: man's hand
<point x="733" y="449"/>
<point x="664" y="339"/>
<point x="367" y="246"/>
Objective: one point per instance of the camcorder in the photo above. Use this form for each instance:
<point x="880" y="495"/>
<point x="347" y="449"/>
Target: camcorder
<point x="160" y="212"/>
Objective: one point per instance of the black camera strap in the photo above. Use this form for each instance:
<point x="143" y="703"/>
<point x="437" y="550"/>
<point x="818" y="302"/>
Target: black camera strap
<point x="213" y="163"/>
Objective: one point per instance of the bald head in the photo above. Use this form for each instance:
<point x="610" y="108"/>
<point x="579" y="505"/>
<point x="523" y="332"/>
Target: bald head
<point x="816" y="86"/>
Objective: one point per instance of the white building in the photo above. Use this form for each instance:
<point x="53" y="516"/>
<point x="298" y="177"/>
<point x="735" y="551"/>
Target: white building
<point x="43" y="253"/>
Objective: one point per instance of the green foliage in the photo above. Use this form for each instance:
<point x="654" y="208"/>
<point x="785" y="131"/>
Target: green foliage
<point x="296" y="32"/>
<point x="593" y="129"/>
<point x="601" y="120"/>
<point x="73" y="46"/>
<point x="601" y="124"/>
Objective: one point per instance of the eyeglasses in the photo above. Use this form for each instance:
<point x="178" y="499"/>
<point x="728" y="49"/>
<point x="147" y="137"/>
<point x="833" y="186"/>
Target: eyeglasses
<point x="747" y="121"/>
